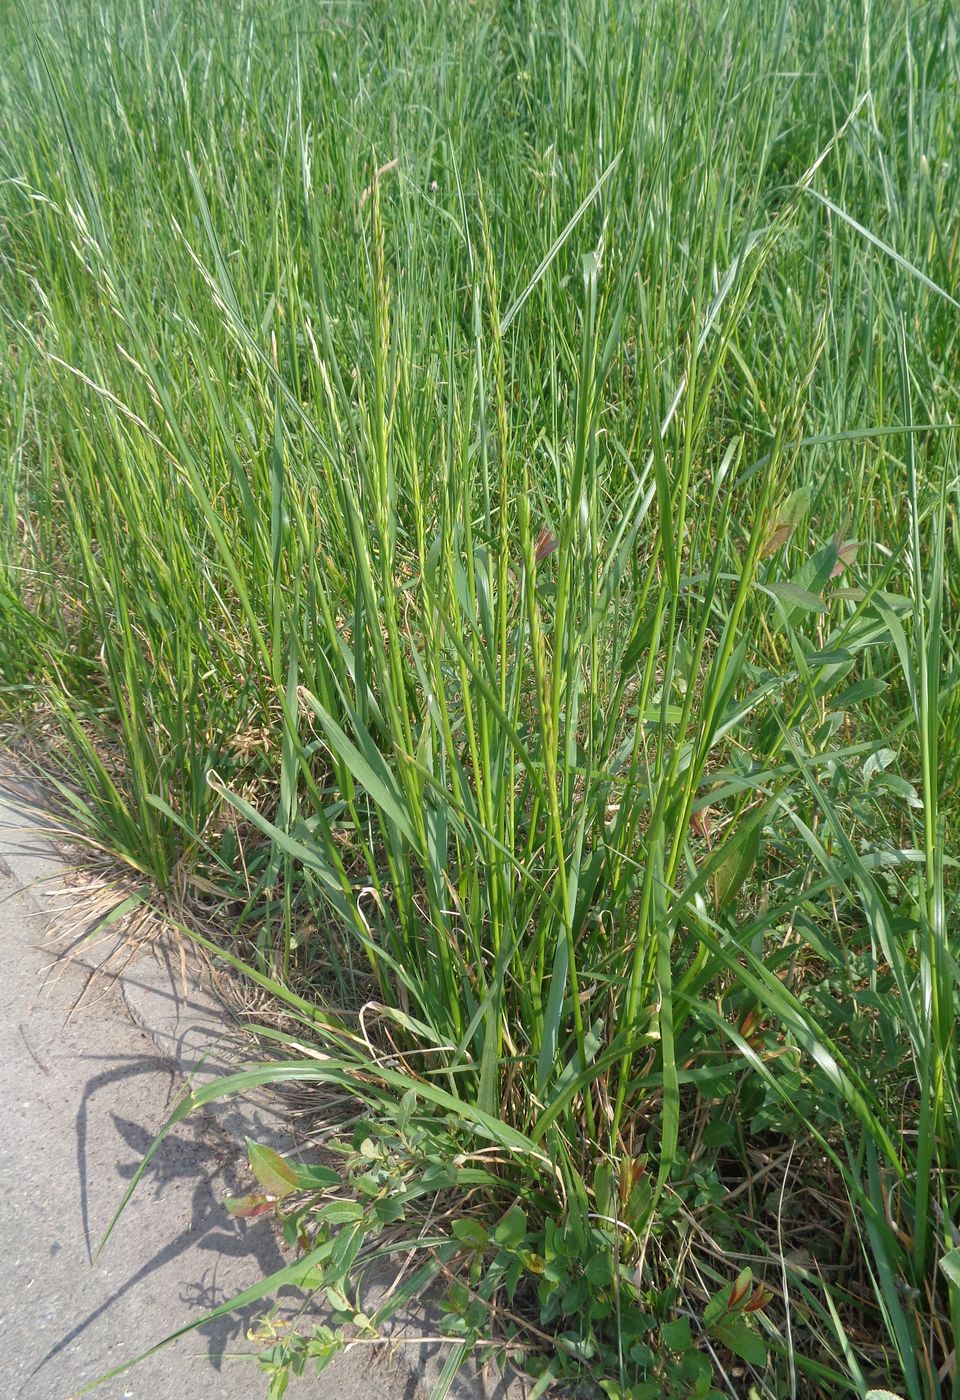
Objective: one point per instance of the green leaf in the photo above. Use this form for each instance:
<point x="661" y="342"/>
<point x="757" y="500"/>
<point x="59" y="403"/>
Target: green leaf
<point x="639" y="644"/>
<point x="324" y="1350"/>
<point x="345" y="1247"/>
<point x="718" y="1133"/>
<point x="315" y="1178"/>
<point x="341" y="1212"/>
<point x="368" y="766"/>
<point x="796" y="596"/>
<point x="512" y="1228"/>
<point x="950" y="1267"/>
<point x="740" y="1338"/>
<point x="276" y="1176"/>
<point x="278" y="1382"/>
<point x="470" y="1232"/>
<point x="734" y="869"/>
<point x="338" y="1299"/>
<point x="603" y="1189"/>
<point x="676" y="1335"/>
<point x="877" y="762"/>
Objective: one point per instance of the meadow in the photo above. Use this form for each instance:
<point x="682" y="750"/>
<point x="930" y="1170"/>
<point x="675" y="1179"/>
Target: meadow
<point x="479" y="552"/>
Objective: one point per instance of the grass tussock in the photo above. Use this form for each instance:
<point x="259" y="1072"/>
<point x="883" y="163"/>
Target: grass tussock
<point x="480" y="521"/>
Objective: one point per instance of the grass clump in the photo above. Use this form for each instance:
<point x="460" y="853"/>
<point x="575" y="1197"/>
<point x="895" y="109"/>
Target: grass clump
<point x="480" y="527"/>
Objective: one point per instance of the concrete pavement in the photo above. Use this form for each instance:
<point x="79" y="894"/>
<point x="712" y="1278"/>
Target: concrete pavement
<point x="81" y="1097"/>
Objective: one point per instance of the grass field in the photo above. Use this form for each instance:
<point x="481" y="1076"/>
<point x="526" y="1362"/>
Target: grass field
<point x="479" y="546"/>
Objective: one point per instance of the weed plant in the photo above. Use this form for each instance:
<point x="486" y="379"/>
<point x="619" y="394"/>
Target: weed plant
<point x="479" y="535"/>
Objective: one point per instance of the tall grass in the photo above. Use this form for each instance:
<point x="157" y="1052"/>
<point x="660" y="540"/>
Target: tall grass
<point x="480" y="519"/>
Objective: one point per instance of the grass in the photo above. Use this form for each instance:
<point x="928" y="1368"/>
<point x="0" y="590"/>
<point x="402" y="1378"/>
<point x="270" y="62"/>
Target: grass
<point x="479" y="535"/>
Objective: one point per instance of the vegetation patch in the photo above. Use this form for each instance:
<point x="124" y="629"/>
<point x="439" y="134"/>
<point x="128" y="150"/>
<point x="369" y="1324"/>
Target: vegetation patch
<point x="479" y="537"/>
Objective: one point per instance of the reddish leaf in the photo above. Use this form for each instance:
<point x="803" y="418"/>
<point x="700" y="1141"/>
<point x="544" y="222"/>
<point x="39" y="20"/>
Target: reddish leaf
<point x="778" y="536"/>
<point x="846" y="556"/>
<point x="546" y="544"/>
<point x="749" y="1024"/>
<point x="247" y="1207"/>
<point x="787" y="519"/>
